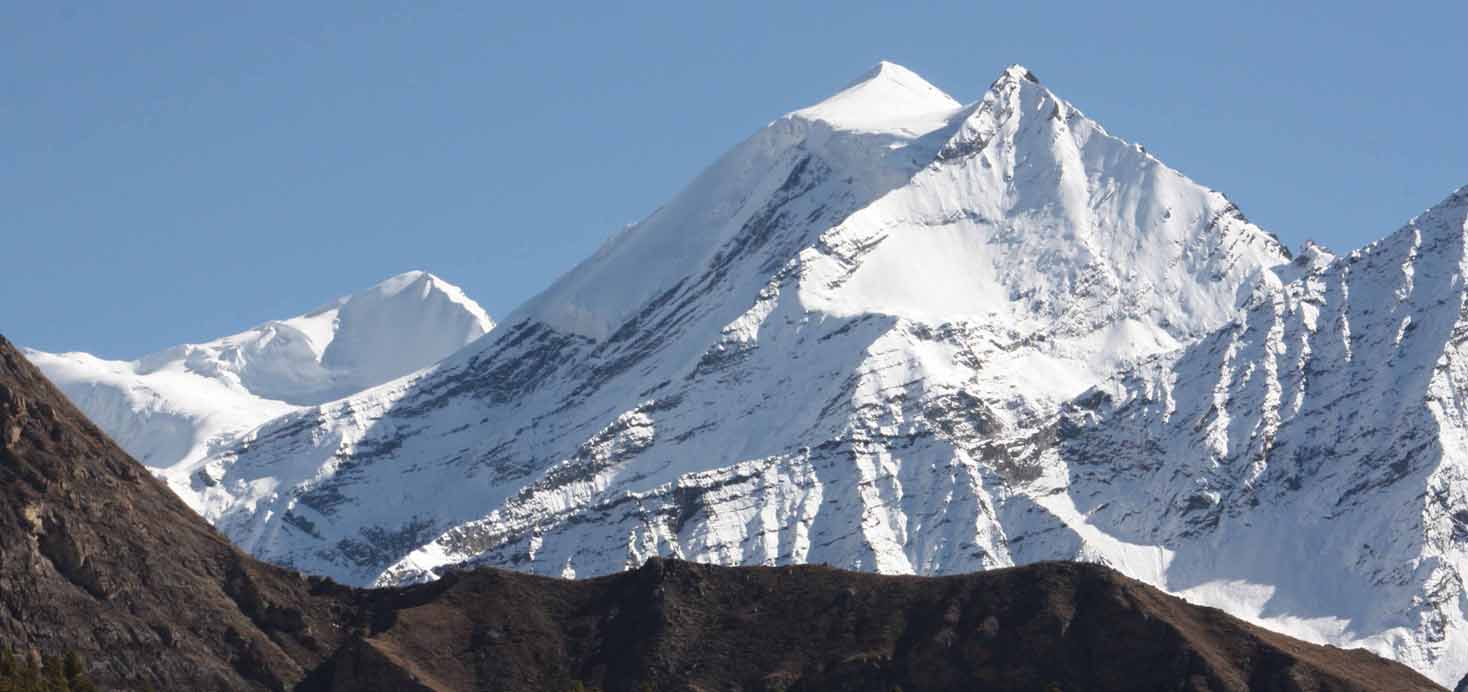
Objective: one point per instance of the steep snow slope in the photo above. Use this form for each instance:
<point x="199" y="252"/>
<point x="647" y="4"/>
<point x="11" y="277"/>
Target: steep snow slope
<point x="173" y="407"/>
<point x="887" y="270"/>
<point x="1306" y="466"/>
<point x="869" y="336"/>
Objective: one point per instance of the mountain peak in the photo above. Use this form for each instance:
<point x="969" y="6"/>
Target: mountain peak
<point x="888" y="70"/>
<point x="397" y="283"/>
<point x="424" y="284"/>
<point x="370" y="328"/>
<point x="1017" y="72"/>
<point x="173" y="405"/>
<point x="887" y="96"/>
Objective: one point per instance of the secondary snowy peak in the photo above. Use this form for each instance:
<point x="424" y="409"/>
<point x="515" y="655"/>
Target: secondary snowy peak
<point x="400" y="325"/>
<point x="174" y="406"/>
<point x="423" y="286"/>
<point x="389" y="330"/>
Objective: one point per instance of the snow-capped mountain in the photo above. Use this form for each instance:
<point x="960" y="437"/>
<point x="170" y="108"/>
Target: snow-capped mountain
<point x="887" y="264"/>
<point x="898" y="333"/>
<point x="174" y="407"/>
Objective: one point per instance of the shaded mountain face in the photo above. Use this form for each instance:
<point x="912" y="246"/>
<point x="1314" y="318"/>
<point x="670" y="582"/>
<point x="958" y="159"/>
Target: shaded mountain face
<point x="172" y="408"/>
<point x="895" y="333"/>
<point x="99" y="558"/>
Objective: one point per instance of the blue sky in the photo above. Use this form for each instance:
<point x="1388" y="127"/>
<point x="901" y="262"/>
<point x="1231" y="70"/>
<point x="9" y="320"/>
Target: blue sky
<point x="172" y="172"/>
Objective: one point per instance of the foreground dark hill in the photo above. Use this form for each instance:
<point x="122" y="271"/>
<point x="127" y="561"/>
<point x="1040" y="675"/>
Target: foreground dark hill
<point x="674" y="625"/>
<point x="98" y="558"/>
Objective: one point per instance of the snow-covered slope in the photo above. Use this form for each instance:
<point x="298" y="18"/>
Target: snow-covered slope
<point x="881" y="333"/>
<point x="887" y="270"/>
<point x="171" y="408"/>
<point x="1306" y="466"/>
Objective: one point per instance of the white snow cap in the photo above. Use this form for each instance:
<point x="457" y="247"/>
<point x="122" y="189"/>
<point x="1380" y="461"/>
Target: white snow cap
<point x="882" y="98"/>
<point x="420" y="285"/>
<point x="400" y="325"/>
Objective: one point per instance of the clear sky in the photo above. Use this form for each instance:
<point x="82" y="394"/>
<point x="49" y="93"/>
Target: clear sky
<point x="173" y="172"/>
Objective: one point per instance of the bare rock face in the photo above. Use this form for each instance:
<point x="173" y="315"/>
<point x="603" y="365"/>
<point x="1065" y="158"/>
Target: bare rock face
<point x="99" y="558"/>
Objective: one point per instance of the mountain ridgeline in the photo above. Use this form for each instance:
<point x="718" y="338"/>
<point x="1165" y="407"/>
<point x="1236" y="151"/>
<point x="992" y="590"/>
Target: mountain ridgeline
<point x="897" y="333"/>
<point x="102" y="564"/>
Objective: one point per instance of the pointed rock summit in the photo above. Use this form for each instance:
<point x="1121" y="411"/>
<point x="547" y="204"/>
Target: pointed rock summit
<point x="1018" y="71"/>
